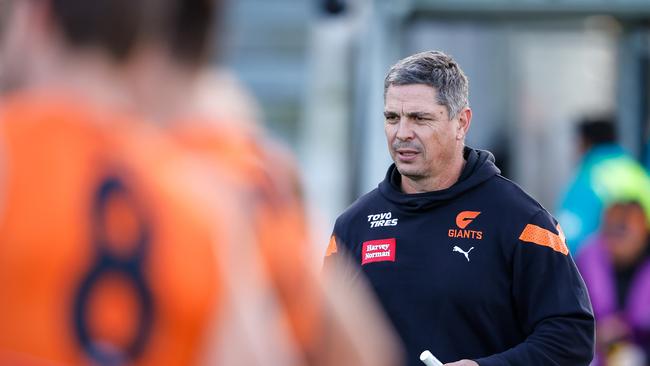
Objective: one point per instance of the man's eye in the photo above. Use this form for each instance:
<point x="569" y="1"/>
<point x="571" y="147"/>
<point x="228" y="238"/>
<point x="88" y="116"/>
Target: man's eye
<point x="391" y="119"/>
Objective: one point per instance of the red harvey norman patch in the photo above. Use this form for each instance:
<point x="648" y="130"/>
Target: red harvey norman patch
<point x="380" y="250"/>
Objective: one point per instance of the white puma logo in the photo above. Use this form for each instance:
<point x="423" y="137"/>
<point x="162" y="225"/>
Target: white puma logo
<point x="465" y="253"/>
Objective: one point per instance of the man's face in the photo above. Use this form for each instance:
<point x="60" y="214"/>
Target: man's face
<point x="421" y="138"/>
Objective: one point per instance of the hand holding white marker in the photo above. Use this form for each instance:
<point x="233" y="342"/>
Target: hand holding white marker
<point x="429" y="359"/>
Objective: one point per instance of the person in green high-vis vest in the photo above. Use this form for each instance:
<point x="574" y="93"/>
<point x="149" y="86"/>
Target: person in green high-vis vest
<point x="606" y="174"/>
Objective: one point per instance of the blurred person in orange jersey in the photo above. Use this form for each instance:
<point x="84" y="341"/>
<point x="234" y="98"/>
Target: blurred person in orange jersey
<point x="615" y="264"/>
<point x="229" y="137"/>
<point x="107" y="252"/>
<point x="136" y="230"/>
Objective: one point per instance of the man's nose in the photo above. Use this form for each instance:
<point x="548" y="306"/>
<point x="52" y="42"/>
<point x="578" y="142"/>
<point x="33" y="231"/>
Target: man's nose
<point x="404" y="130"/>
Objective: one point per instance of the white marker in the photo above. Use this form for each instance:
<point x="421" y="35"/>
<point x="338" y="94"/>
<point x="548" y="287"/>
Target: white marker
<point x="429" y="359"/>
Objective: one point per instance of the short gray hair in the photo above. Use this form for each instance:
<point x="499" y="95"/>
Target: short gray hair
<point x="435" y="69"/>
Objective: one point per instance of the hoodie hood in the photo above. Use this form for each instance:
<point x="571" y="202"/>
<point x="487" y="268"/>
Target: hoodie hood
<point x="479" y="167"/>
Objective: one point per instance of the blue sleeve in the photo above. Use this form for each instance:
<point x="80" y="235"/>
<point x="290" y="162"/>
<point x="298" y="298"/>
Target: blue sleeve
<point x="550" y="300"/>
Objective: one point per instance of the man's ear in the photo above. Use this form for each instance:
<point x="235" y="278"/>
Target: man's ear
<point x="464" y="121"/>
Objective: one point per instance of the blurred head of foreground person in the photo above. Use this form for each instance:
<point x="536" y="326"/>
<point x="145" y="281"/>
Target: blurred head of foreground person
<point x="616" y="267"/>
<point x="126" y="239"/>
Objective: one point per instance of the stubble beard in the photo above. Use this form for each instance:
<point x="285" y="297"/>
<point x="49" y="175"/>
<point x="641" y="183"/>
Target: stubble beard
<point x="411" y="172"/>
<point x="424" y="169"/>
<point x="407" y="170"/>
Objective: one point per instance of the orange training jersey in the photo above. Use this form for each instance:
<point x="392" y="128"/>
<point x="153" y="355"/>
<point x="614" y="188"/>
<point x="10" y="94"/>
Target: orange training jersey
<point x="300" y="321"/>
<point x="275" y="210"/>
<point x="107" y="251"/>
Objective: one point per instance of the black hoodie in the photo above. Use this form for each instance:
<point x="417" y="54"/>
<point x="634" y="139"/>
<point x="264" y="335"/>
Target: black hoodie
<point x="476" y="271"/>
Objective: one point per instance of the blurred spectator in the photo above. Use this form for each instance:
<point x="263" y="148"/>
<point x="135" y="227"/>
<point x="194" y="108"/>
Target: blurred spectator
<point x="646" y="156"/>
<point x="135" y="228"/>
<point x="615" y="264"/>
<point x="606" y="174"/>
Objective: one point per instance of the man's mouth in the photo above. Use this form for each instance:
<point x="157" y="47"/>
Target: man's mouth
<point x="406" y="154"/>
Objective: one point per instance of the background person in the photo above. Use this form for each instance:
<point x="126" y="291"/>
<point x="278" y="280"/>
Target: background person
<point x="606" y="173"/>
<point x="615" y="264"/>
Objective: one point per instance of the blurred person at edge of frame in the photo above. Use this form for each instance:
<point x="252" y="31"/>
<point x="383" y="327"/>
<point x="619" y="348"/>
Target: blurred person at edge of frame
<point x="606" y="173"/>
<point x="128" y="239"/>
<point x="615" y="264"/>
<point x="260" y="165"/>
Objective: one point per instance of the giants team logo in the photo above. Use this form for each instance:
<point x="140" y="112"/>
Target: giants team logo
<point x="462" y="221"/>
<point x="381" y="250"/>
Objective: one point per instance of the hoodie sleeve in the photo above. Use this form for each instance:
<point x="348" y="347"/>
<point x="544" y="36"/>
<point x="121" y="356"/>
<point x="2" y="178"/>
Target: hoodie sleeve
<point x="550" y="299"/>
<point x="332" y="253"/>
<point x="337" y="262"/>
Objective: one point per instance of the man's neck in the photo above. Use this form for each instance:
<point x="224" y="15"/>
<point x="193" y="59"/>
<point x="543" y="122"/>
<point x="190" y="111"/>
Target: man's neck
<point x="444" y="180"/>
<point x="152" y="66"/>
<point x="88" y="74"/>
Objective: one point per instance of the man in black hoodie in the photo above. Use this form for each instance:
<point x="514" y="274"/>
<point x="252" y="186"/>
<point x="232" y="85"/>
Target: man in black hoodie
<point x="463" y="261"/>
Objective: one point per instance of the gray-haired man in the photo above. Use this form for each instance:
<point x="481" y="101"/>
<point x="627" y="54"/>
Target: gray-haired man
<point x="463" y="261"/>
